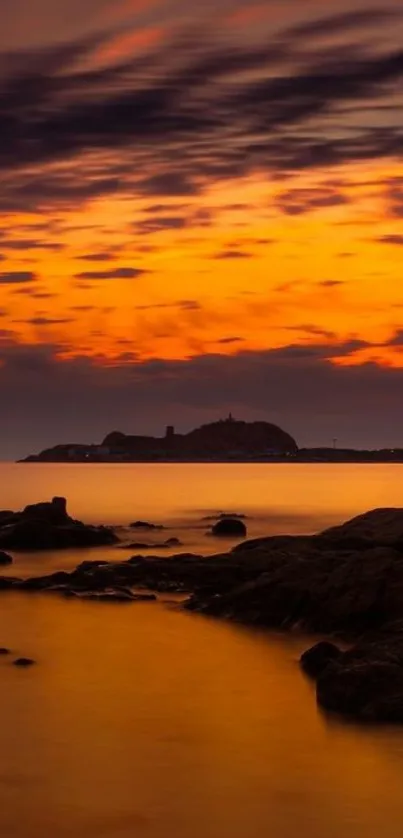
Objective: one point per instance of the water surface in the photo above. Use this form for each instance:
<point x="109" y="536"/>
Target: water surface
<point x="143" y="720"/>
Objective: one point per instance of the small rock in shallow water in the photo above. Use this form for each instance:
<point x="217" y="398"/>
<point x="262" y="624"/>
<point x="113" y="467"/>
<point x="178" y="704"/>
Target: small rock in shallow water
<point x="231" y="527"/>
<point x="23" y="662"/>
<point x="145" y="525"/>
<point x="4" y="651"/>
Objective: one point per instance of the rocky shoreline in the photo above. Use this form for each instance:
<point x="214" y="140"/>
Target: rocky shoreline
<point x="345" y="583"/>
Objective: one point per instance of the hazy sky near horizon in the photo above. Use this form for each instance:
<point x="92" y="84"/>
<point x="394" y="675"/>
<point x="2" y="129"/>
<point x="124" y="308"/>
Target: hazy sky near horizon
<point x="202" y="211"/>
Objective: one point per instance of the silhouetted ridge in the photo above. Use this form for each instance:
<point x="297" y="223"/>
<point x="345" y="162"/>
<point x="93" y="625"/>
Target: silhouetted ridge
<point x="227" y="439"/>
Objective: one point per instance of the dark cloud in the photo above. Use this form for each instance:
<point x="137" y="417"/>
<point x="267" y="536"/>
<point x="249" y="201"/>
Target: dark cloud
<point x="232" y="254"/>
<point x="315" y="399"/>
<point x="230" y="340"/>
<point x="299" y="201"/>
<point x="160" y="223"/>
<point x="168" y="183"/>
<point x="311" y="329"/>
<point x="184" y="305"/>
<point x="331" y="283"/>
<point x="47" y="321"/>
<point x="393" y="238"/>
<point x="397" y="339"/>
<point x="343" y="22"/>
<point x="192" y="118"/>
<point x="97" y="256"/>
<point x="189" y="305"/>
<point x="166" y="209"/>
<point x="115" y="273"/>
<point x="17" y="277"/>
<point x="29" y="244"/>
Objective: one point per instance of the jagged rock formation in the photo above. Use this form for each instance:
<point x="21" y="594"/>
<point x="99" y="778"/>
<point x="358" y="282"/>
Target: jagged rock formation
<point x="45" y="526"/>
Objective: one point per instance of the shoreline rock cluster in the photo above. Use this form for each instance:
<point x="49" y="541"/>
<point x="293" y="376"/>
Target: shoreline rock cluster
<point x="48" y="526"/>
<point x="345" y="583"/>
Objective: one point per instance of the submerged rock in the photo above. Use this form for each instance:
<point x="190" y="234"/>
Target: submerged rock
<point x="115" y="595"/>
<point x="145" y="525"/>
<point x="141" y="545"/>
<point x="229" y="527"/>
<point x="23" y="662"/>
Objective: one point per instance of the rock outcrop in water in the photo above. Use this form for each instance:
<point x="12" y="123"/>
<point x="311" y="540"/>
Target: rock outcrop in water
<point x="47" y="526"/>
<point x="345" y="582"/>
<point x="229" y="527"/>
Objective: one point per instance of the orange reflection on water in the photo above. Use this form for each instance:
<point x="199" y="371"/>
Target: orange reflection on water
<point x="147" y="721"/>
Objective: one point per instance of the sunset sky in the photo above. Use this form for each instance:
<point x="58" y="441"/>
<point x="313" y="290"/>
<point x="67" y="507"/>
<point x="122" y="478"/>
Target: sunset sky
<point x="202" y="211"/>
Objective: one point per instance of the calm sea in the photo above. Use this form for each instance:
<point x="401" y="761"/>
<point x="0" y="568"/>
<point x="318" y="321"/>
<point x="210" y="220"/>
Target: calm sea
<point x="147" y="721"/>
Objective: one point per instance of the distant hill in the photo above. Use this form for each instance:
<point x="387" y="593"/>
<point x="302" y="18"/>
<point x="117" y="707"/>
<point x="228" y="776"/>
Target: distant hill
<point x="227" y="439"/>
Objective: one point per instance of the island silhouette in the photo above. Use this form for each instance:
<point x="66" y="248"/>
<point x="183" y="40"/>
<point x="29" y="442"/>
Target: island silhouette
<point x="227" y="439"/>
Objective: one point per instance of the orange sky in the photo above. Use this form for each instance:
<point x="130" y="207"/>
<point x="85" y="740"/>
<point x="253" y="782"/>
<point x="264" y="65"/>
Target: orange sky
<point x="258" y="273"/>
<point x="182" y="183"/>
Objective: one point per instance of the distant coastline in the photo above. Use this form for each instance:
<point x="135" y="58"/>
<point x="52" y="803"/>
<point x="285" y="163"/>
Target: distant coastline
<point x="304" y="456"/>
<point x="226" y="441"/>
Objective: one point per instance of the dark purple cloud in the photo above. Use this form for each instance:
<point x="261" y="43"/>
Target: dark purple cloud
<point x="114" y="273"/>
<point x="232" y="254"/>
<point x="392" y="238"/>
<point x="190" y="116"/>
<point x="315" y="400"/>
<point x="17" y="277"/>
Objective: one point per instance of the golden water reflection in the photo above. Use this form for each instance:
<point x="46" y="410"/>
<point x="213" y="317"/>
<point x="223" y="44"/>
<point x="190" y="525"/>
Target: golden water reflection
<point x="144" y="720"/>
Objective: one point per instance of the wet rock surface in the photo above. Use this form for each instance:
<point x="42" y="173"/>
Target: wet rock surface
<point x="5" y="558"/>
<point x="48" y="526"/>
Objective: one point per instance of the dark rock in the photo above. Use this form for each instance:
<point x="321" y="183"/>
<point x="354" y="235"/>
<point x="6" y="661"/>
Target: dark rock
<point x="23" y="662"/>
<point x="137" y="545"/>
<point x="115" y="595"/>
<point x="379" y="526"/>
<point x="141" y="545"/>
<point x="316" y="659"/>
<point x="229" y="527"/>
<point x="9" y="582"/>
<point x="90" y="566"/>
<point x="45" y="526"/>
<point x="289" y="543"/>
<point x="54" y="512"/>
<point x="41" y="583"/>
<point x="4" y="651"/>
<point x="6" y="516"/>
<point x="145" y="525"/>
<point x="370" y="690"/>
<point x="5" y="558"/>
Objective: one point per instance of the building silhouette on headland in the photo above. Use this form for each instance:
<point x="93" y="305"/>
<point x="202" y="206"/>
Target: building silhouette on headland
<point x="227" y="439"/>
